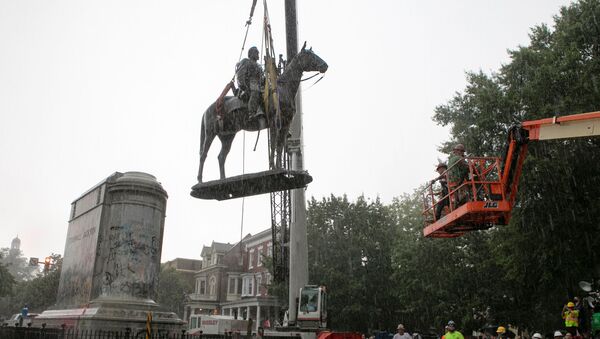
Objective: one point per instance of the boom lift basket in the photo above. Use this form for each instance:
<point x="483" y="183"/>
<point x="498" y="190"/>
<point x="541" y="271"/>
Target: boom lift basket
<point x="487" y="197"/>
<point x="475" y="204"/>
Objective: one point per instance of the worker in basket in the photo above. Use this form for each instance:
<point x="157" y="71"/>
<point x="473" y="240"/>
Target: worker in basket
<point x="458" y="173"/>
<point x="442" y="194"/>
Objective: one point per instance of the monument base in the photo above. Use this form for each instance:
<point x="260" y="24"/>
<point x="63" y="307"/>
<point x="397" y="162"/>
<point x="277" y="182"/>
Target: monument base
<point x="110" y="318"/>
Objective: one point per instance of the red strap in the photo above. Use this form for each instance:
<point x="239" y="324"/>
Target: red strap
<point x="220" y="113"/>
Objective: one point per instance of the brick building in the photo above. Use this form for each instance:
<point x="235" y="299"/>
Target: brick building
<point x="233" y="281"/>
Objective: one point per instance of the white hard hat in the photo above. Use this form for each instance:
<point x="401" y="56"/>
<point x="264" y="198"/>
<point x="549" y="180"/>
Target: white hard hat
<point x="536" y="336"/>
<point x="558" y="334"/>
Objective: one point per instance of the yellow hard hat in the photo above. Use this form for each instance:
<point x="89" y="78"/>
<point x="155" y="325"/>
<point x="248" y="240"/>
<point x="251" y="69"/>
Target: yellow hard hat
<point x="570" y="304"/>
<point x="501" y="329"/>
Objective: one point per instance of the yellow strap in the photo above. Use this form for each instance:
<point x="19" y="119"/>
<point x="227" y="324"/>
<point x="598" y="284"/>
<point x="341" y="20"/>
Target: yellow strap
<point x="270" y="92"/>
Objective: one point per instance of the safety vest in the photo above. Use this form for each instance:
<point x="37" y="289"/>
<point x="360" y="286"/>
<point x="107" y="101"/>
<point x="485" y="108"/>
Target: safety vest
<point x="571" y="318"/>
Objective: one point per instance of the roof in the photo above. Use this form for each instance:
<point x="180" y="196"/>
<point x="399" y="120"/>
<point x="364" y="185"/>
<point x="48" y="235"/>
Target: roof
<point x="217" y="247"/>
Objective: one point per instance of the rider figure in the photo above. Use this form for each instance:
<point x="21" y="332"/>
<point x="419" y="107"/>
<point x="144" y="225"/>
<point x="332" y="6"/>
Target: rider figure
<point x="249" y="75"/>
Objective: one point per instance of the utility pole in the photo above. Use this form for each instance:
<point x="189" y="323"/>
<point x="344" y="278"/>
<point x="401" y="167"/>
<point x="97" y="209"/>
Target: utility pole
<point x="298" y="276"/>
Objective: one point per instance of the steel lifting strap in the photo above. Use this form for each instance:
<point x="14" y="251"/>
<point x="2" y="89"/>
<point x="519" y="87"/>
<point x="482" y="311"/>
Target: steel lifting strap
<point x="270" y="92"/>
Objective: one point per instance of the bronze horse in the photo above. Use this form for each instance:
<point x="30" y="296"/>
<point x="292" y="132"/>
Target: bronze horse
<point x="235" y="117"/>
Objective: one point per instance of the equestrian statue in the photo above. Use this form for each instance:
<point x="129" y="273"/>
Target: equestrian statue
<point x="225" y="118"/>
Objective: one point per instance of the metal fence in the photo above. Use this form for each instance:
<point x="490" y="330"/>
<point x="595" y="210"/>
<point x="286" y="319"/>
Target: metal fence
<point x="72" y="333"/>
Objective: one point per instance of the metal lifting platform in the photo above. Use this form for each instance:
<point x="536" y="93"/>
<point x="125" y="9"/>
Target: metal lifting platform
<point x="251" y="184"/>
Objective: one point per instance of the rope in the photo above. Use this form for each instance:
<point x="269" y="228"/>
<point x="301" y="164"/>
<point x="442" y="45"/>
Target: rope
<point x="231" y="84"/>
<point x="248" y="23"/>
<point x="309" y="87"/>
<point x="243" y="198"/>
<point x="312" y="76"/>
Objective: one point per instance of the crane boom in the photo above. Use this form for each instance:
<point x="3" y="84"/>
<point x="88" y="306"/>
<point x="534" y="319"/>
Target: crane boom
<point x="570" y="126"/>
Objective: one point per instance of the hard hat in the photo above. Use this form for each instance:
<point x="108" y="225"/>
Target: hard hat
<point x="536" y="336"/>
<point x="501" y="329"/>
<point x="570" y="304"/>
<point x="558" y="334"/>
<point x="451" y="323"/>
<point x="441" y="164"/>
<point x="459" y="147"/>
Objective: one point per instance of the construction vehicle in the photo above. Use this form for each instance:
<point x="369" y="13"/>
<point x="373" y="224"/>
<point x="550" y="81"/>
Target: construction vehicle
<point x="487" y="197"/>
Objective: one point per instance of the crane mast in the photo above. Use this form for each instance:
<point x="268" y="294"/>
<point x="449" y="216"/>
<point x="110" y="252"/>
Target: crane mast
<point x="298" y="245"/>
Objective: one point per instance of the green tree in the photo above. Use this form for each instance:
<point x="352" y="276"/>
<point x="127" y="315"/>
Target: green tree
<point x="441" y="279"/>
<point x="553" y="235"/>
<point x="38" y="293"/>
<point x="350" y="252"/>
<point x="6" y="280"/>
<point x="17" y="264"/>
<point x="173" y="287"/>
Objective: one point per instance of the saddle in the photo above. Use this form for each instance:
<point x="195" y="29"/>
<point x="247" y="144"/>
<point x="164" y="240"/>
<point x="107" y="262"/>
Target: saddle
<point x="227" y="104"/>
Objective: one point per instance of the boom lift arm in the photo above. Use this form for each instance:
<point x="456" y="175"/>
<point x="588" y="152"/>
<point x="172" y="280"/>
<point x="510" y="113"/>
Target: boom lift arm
<point x="488" y="196"/>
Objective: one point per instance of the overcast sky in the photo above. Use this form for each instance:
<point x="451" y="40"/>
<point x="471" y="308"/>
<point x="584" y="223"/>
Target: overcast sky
<point x="89" y="88"/>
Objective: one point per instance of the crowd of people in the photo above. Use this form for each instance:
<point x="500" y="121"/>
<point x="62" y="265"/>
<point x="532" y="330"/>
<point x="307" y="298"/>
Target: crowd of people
<point x="573" y="315"/>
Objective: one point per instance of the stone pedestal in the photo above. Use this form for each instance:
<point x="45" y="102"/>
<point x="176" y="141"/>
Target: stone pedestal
<point x="112" y="258"/>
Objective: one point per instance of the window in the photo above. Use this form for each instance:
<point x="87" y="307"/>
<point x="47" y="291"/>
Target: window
<point x="269" y="249"/>
<point x="309" y="299"/>
<point x="247" y="289"/>
<point x="202" y="286"/>
<point x="212" y="284"/>
<point x="250" y="257"/>
<point x="259" y="257"/>
<point x="232" y="282"/>
<point x="267" y="279"/>
<point x="239" y="286"/>
<point x="258" y="282"/>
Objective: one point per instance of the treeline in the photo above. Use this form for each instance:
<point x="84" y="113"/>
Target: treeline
<point x="381" y="271"/>
<point x="21" y="284"/>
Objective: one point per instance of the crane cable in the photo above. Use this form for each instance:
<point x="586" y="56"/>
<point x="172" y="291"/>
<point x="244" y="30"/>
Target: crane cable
<point x="248" y="23"/>
<point x="225" y="90"/>
<point x="231" y="85"/>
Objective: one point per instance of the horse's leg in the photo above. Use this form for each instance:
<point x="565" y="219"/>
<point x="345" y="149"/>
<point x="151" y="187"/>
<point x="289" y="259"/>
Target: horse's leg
<point x="226" y="141"/>
<point x="206" y="139"/>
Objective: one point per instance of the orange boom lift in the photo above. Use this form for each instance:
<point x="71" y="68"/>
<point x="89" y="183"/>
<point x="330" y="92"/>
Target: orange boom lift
<point x="488" y="196"/>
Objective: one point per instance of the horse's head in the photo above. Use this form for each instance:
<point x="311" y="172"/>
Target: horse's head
<point x="310" y="61"/>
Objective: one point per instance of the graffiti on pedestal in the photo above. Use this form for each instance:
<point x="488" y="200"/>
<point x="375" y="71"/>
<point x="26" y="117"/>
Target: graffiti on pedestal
<point x="131" y="263"/>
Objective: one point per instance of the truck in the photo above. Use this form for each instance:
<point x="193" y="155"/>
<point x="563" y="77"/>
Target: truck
<point x="216" y="324"/>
